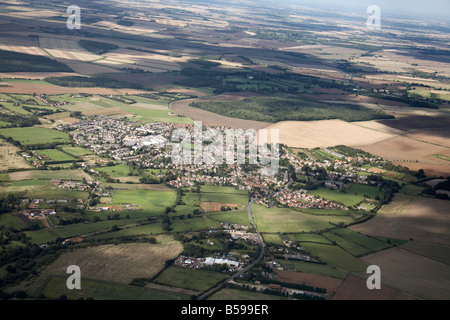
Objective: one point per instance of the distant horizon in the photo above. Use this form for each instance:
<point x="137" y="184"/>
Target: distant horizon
<point x="407" y="8"/>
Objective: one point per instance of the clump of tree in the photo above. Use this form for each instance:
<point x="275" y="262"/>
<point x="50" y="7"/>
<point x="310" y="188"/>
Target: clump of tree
<point x="90" y="82"/>
<point x="275" y="109"/>
<point x="205" y="63"/>
<point x="21" y="62"/>
<point x="16" y="120"/>
<point x="97" y="47"/>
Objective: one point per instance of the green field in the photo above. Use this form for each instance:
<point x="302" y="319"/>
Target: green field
<point x="309" y="237"/>
<point x="411" y="190"/>
<point x="149" y="115"/>
<point x="223" y="195"/>
<point x="272" y="238"/>
<point x="35" y="135"/>
<point x="186" y="278"/>
<point x="152" y="202"/>
<point x="9" y="220"/>
<point x="120" y="170"/>
<point x="49" y="175"/>
<point x="240" y="295"/>
<point x="286" y="220"/>
<point x="334" y="256"/>
<point x="233" y="216"/>
<point x="365" y="190"/>
<point x="314" y="268"/>
<point x="77" y="151"/>
<point x="55" y="156"/>
<point x="194" y="224"/>
<point x="145" y="230"/>
<point x="72" y="230"/>
<point x="362" y="240"/>
<point x="103" y="290"/>
<point x="347" y="199"/>
<point x="349" y="246"/>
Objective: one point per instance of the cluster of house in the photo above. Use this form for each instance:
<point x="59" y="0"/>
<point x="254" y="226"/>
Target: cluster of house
<point x="197" y="263"/>
<point x="39" y="213"/>
<point x="35" y="163"/>
<point x="147" y="145"/>
<point x="51" y="103"/>
<point x="39" y="203"/>
<point x="301" y="199"/>
<point x="138" y="142"/>
<point x="122" y="139"/>
<point x="70" y="185"/>
<point x="241" y="234"/>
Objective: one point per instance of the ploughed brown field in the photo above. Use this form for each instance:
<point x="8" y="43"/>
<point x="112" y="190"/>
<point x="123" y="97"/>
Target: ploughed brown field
<point x="355" y="288"/>
<point x="331" y="284"/>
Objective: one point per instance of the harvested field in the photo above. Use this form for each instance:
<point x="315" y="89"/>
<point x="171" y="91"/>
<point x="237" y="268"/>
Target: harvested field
<point x="112" y="263"/>
<point x="355" y="288"/>
<point x="412" y="273"/>
<point x="87" y="68"/>
<point x="407" y="217"/>
<point x="117" y="263"/>
<point x="431" y="169"/>
<point x="27" y="88"/>
<point x="72" y="55"/>
<point x="376" y="170"/>
<point x="413" y="154"/>
<point x="48" y="175"/>
<point x="24" y="49"/>
<point x="33" y="75"/>
<point x="325" y="133"/>
<point x="106" y="111"/>
<point x="215" y="207"/>
<point x="156" y="61"/>
<point x="413" y="122"/>
<point x="148" y="81"/>
<point x="402" y="148"/>
<point x="59" y="44"/>
<point x="331" y="284"/>
<point x="440" y="136"/>
<point x="10" y="159"/>
<point x="377" y="126"/>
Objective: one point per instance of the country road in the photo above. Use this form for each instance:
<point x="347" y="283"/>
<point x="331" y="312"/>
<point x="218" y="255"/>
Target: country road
<point x="210" y="292"/>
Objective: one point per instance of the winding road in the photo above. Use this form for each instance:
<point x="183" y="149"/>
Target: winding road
<point x="208" y="293"/>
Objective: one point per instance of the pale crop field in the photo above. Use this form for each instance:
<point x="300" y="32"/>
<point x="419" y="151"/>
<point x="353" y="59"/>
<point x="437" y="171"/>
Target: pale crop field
<point x="412" y="273"/>
<point x="9" y="158"/>
<point x="325" y="133"/>
<point x="407" y="217"/>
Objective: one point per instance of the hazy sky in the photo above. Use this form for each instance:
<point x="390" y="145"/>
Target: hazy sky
<point x="419" y="8"/>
